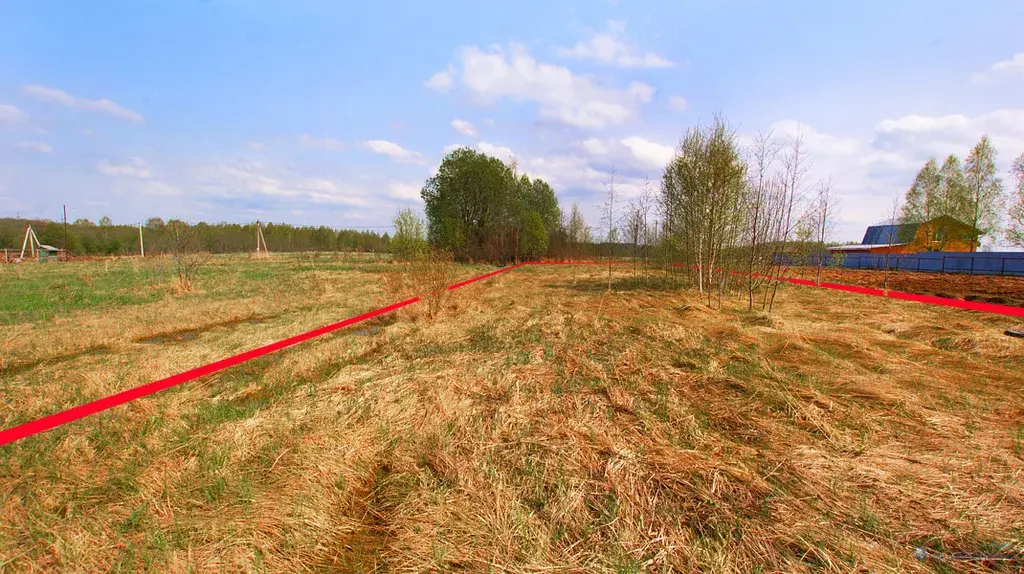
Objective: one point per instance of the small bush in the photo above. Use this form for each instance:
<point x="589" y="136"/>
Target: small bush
<point x="410" y="240"/>
<point x="426" y="275"/>
<point x="187" y="250"/>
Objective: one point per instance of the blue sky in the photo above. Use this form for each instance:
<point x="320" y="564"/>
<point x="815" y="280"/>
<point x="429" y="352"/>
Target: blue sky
<point x="334" y="112"/>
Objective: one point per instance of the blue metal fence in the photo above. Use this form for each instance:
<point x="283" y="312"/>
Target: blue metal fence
<point x="1008" y="263"/>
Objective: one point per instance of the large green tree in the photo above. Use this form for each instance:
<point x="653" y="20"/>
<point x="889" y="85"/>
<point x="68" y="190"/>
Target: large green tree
<point x="478" y="208"/>
<point x="985" y="190"/>
<point x="468" y="203"/>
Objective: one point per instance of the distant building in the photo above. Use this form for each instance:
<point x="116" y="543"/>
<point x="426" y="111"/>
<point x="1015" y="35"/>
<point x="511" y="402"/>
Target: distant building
<point x="939" y="234"/>
<point x="49" y="252"/>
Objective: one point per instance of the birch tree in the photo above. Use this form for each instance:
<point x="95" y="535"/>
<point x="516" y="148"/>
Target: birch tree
<point x="760" y="210"/>
<point x="645" y="202"/>
<point x="823" y="218"/>
<point x="609" y="221"/>
<point x="634" y="229"/>
<point x="578" y="231"/>
<point x="796" y="164"/>
<point x="954" y="197"/>
<point x="985" y="190"/>
<point x="1015" y="230"/>
<point x="702" y="191"/>
<point x="923" y="201"/>
<point x="890" y="239"/>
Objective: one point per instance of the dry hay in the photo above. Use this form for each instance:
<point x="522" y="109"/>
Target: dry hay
<point x="534" y="425"/>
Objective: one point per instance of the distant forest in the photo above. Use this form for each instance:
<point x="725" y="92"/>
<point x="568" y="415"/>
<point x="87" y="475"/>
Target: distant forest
<point x="104" y="238"/>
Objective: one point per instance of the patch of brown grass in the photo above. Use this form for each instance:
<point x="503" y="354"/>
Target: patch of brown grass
<point x="534" y="425"/>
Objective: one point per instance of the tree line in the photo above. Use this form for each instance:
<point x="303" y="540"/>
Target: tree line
<point x="85" y="237"/>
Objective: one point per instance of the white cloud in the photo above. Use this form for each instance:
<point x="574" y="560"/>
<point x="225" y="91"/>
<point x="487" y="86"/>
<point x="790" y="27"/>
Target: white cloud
<point x="246" y="180"/>
<point x="575" y="174"/>
<point x="316" y="184"/>
<point x="465" y="128"/>
<point x="39" y="147"/>
<point x="820" y="143"/>
<point x="103" y="105"/>
<point x="452" y="147"/>
<point x="568" y="171"/>
<point x="613" y="47"/>
<point x="650" y="153"/>
<point x="497" y="151"/>
<point x="496" y="73"/>
<point x="255" y="146"/>
<point x="1012" y="69"/>
<point x="154" y="187"/>
<point x="391" y="149"/>
<point x="136" y="169"/>
<point x="136" y="178"/>
<point x="9" y="113"/>
<point x="594" y="146"/>
<point x="308" y="141"/>
<point x="443" y="80"/>
<point x="924" y="136"/>
<point x="405" y="191"/>
<point x="678" y="104"/>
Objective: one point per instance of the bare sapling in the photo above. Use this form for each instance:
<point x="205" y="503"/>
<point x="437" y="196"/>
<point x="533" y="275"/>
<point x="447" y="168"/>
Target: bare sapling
<point x="186" y="249"/>
<point x="634" y="229"/>
<point x="824" y="214"/>
<point x="795" y="167"/>
<point x="426" y="274"/>
<point x="644" y="204"/>
<point x="609" y="220"/>
<point x="760" y="210"/>
<point x="890" y="240"/>
<point x="1015" y="229"/>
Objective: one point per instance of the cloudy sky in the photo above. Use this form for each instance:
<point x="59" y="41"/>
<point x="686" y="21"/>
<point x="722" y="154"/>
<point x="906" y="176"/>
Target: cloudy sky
<point x="319" y="112"/>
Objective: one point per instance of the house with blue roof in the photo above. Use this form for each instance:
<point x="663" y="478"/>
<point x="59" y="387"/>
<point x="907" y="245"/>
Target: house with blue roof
<point x="942" y="233"/>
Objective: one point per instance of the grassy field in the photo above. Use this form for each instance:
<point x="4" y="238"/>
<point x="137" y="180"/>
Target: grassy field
<point x="539" y="423"/>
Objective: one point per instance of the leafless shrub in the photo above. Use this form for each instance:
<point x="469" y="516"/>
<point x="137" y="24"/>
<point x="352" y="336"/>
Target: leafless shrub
<point x="426" y="275"/>
<point x="186" y="249"/>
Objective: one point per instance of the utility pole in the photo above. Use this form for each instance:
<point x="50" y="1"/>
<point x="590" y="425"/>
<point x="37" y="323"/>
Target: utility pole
<point x="142" y="247"/>
<point x="66" y="252"/>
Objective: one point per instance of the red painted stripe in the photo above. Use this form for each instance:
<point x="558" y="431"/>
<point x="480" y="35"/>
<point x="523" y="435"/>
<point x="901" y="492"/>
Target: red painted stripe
<point x="52" y="421"/>
<point x="73" y="414"/>
<point x="577" y="263"/>
<point x="484" y="276"/>
<point x="927" y="299"/>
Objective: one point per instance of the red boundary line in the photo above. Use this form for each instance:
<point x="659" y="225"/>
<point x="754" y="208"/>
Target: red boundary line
<point x="903" y="296"/>
<point x="73" y="414"/>
<point x="46" y="423"/>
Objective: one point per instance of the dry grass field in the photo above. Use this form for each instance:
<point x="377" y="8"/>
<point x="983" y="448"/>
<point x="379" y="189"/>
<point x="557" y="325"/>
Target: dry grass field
<point x="986" y="288"/>
<point x="538" y="424"/>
